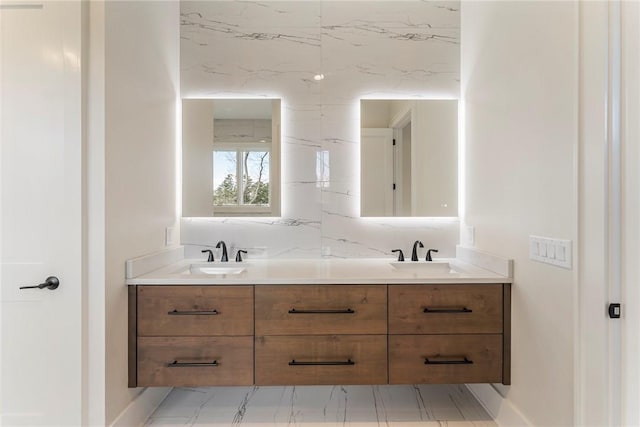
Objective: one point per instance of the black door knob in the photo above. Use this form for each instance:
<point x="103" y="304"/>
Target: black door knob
<point x="51" y="282"/>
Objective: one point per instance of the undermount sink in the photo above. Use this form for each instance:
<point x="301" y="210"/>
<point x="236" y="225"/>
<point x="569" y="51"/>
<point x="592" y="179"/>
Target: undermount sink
<point x="422" y="266"/>
<point x="214" y="269"/>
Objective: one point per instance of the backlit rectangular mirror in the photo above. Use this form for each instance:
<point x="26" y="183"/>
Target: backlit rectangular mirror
<point x="230" y="157"/>
<point x="409" y="158"/>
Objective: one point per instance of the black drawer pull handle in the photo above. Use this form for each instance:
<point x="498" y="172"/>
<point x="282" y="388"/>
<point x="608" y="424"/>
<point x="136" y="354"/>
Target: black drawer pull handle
<point x="339" y="363"/>
<point x="345" y="311"/>
<point x="193" y="313"/>
<point x="464" y="361"/>
<point x="296" y="363"/>
<point x="176" y="364"/>
<point x="447" y="310"/>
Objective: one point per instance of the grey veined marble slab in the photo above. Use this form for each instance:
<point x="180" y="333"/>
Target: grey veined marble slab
<point x="306" y="406"/>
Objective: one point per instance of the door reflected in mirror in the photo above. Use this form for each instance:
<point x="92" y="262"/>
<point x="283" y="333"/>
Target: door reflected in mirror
<point x="230" y="157"/>
<point x="409" y="158"/>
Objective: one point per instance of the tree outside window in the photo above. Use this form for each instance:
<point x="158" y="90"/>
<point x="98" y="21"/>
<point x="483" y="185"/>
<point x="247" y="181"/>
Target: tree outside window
<point x="252" y="189"/>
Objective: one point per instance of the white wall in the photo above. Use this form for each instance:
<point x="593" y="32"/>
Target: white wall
<point x="95" y="189"/>
<point x="197" y="158"/>
<point x="141" y="87"/>
<point x="593" y="342"/>
<point x="519" y="83"/>
<point x="373" y="49"/>
<point x="374" y="113"/>
<point x="434" y="158"/>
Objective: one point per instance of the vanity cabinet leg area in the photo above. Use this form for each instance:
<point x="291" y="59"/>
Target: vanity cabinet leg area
<point x="215" y="335"/>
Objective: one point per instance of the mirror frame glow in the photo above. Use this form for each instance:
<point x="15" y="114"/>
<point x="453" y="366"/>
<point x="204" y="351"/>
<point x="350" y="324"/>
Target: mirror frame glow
<point x="199" y="142"/>
<point x="429" y="186"/>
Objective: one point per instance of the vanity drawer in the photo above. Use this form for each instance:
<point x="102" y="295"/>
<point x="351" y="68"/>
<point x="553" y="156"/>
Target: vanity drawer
<point x="445" y="309"/>
<point x="321" y="309"/>
<point x="452" y="359"/>
<point x="195" y="310"/>
<point x="173" y="361"/>
<point x="318" y="360"/>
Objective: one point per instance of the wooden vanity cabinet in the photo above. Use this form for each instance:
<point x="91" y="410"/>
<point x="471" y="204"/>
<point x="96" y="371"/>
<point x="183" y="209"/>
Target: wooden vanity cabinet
<point x="321" y="309"/>
<point x="319" y="334"/>
<point x="190" y="335"/>
<point x="449" y="334"/>
<point x="321" y="359"/>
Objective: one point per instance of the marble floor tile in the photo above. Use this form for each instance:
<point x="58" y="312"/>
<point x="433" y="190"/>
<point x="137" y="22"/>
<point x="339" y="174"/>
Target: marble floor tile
<point x="322" y="406"/>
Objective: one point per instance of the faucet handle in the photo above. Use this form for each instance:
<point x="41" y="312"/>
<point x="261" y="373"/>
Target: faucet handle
<point x="210" y="258"/>
<point x="428" y="258"/>
<point x="239" y="255"/>
<point x="400" y="254"/>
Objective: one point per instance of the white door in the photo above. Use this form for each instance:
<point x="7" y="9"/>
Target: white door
<point x="376" y="160"/>
<point x="40" y="213"/>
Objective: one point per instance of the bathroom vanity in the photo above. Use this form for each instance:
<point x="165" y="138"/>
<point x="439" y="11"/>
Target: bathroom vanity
<point x="304" y="322"/>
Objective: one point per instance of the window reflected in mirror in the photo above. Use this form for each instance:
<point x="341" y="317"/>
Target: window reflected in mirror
<point x="409" y="158"/>
<point x="252" y="166"/>
<point x="230" y="157"/>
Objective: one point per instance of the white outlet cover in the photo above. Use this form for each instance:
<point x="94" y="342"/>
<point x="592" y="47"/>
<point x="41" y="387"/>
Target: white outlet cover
<point x="169" y="236"/>
<point x="471" y="235"/>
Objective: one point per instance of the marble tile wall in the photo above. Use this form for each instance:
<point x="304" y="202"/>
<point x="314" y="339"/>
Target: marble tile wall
<point x="365" y="49"/>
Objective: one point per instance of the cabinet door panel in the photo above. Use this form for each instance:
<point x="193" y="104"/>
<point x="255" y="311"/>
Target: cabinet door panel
<point x="195" y="310"/>
<point x="445" y="359"/>
<point x="317" y="360"/>
<point x="445" y="309"/>
<point x="195" y="361"/>
<point x="321" y="309"/>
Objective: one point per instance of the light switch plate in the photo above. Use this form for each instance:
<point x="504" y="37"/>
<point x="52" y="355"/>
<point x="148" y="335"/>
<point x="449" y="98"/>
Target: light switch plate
<point x="534" y="247"/>
<point x="550" y="251"/>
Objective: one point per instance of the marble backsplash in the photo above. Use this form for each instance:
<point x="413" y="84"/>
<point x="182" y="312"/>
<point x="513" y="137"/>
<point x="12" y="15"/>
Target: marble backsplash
<point x="365" y="49"/>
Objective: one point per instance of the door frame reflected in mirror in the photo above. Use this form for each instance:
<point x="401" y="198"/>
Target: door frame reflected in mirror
<point x="409" y="158"/>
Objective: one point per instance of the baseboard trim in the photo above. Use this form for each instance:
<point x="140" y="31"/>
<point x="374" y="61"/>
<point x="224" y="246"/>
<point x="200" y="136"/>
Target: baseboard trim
<point x="137" y="412"/>
<point x="501" y="410"/>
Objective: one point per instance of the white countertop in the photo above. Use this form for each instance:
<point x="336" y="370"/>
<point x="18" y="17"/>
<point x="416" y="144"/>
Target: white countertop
<point x="318" y="271"/>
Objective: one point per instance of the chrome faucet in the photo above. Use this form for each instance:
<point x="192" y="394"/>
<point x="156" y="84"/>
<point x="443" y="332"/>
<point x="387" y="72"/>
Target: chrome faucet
<point x="210" y="258"/>
<point x="414" y="253"/>
<point x="225" y="257"/>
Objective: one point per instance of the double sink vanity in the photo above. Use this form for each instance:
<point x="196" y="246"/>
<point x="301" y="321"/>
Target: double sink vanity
<point x="324" y="321"/>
